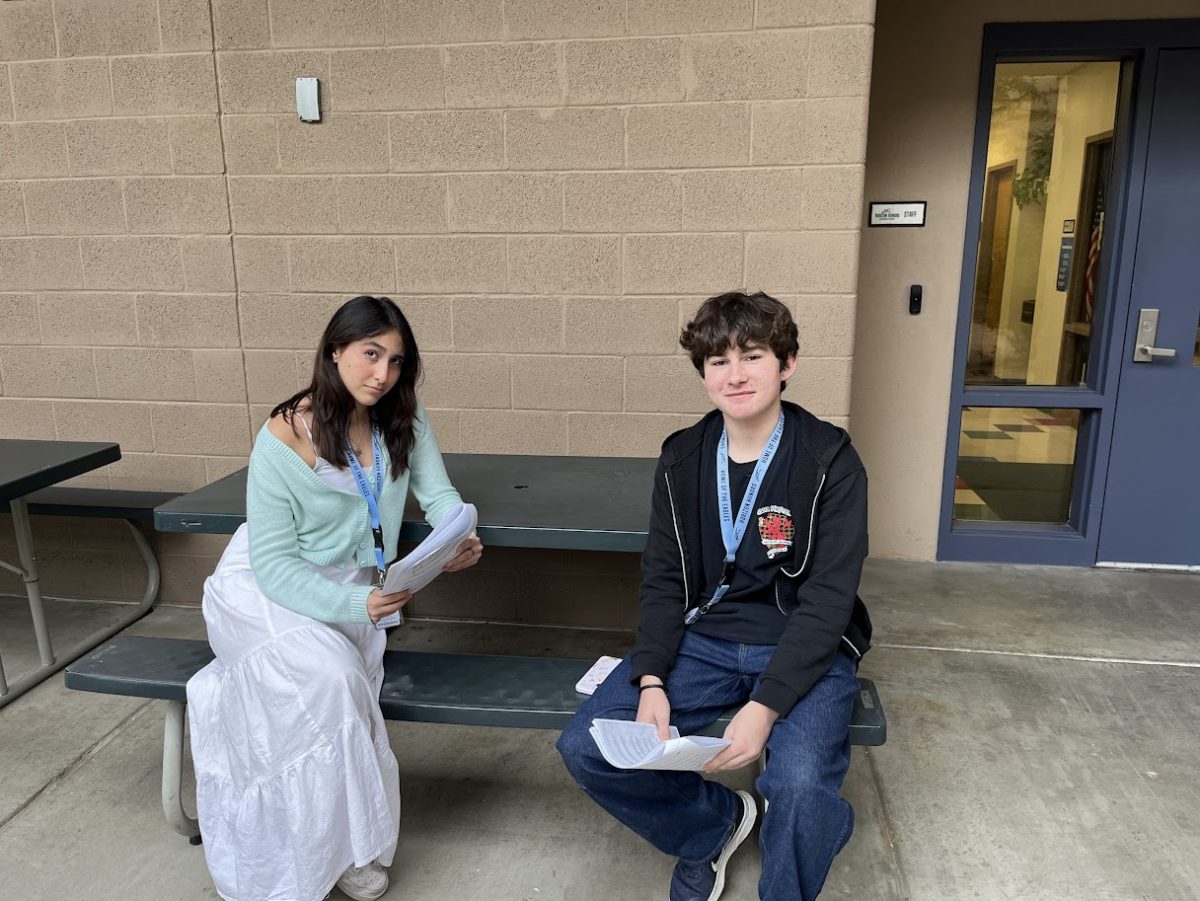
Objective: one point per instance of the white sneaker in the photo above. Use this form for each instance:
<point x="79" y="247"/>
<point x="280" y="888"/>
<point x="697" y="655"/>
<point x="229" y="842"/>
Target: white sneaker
<point x="364" y="883"/>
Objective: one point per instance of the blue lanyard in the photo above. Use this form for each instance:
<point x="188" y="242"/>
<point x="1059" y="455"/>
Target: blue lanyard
<point x="733" y="532"/>
<point x="371" y="495"/>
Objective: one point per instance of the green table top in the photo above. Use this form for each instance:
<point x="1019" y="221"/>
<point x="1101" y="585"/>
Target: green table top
<point x="575" y="503"/>
<point x="27" y="466"/>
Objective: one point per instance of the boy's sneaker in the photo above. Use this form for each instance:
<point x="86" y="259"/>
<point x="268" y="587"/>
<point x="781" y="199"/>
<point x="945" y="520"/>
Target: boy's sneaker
<point x="364" y="883"/>
<point x="705" y="881"/>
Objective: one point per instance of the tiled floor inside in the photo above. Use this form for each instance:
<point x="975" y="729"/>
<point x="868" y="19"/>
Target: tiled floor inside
<point x="1015" y="464"/>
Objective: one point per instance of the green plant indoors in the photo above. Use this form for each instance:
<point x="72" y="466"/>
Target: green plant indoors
<point x="1029" y="185"/>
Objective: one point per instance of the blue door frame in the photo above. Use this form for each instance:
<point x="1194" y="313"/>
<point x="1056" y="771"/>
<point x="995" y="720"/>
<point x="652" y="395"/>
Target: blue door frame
<point x="1136" y="44"/>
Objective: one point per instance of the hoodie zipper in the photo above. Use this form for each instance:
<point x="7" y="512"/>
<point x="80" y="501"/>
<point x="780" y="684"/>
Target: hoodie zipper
<point x="812" y="518"/>
<point x="687" y="603"/>
<point x="778" y="603"/>
<point x="857" y="653"/>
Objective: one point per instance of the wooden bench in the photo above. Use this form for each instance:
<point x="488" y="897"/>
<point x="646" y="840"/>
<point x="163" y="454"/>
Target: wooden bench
<point x="419" y="686"/>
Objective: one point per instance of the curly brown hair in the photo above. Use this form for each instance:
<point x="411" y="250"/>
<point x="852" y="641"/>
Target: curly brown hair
<point x="741" y="319"/>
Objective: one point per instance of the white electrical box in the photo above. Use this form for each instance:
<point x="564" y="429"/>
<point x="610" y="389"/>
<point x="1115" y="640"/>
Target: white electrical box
<point x="307" y="104"/>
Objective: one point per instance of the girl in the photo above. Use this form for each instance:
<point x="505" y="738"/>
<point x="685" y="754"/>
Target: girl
<point x="296" y="785"/>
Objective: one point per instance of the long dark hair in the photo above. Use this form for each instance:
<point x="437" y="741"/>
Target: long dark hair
<point x="332" y="405"/>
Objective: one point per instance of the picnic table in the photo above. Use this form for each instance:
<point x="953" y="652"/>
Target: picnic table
<point x="572" y="503"/>
<point x="28" y="466"/>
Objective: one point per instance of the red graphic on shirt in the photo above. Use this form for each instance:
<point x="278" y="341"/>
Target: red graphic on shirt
<point x="776" y="530"/>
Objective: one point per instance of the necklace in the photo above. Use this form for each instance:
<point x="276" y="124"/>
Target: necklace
<point x="354" y="445"/>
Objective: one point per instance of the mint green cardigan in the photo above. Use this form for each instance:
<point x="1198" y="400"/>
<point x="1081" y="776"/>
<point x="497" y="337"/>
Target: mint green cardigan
<point x="292" y="515"/>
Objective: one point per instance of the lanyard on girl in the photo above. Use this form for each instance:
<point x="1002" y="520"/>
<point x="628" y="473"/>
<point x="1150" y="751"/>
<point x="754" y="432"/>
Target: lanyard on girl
<point x="371" y="496"/>
<point x="732" y="532"/>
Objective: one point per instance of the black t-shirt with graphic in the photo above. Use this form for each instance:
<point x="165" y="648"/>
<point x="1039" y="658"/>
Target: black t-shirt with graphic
<point x="749" y="612"/>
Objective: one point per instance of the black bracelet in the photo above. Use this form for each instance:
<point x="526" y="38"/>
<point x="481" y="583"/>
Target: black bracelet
<point x="642" y="688"/>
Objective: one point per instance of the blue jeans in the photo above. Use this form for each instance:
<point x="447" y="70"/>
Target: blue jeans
<point x="684" y="815"/>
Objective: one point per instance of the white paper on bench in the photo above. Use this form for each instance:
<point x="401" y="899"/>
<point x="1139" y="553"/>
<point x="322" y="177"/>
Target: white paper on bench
<point x="636" y="746"/>
<point x="424" y="563"/>
<point x="596" y="674"/>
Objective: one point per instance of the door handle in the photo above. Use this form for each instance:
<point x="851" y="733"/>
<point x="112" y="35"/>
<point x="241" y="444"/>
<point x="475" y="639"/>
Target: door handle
<point x="1148" y="351"/>
<point x="1144" y="350"/>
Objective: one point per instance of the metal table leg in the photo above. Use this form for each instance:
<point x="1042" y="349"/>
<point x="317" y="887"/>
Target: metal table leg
<point x="28" y="572"/>
<point x="20" y="515"/>
<point x="172" y="773"/>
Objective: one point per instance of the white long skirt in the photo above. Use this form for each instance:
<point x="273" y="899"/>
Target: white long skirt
<point x="295" y="778"/>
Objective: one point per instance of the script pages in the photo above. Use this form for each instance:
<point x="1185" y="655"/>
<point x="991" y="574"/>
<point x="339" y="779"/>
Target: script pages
<point x="636" y="746"/>
<point x="423" y="564"/>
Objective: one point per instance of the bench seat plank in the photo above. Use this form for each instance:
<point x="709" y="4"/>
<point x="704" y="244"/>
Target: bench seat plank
<point x="140" y="667"/>
<point x="419" y="686"/>
<point x="109" y="503"/>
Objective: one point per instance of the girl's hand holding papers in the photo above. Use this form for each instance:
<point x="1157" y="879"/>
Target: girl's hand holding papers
<point x="380" y="605"/>
<point x="469" y="553"/>
<point x="410" y="576"/>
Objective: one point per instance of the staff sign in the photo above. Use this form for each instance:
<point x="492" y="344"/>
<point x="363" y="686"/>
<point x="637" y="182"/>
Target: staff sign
<point x="897" y="213"/>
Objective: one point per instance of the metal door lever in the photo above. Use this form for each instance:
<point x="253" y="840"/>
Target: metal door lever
<point x="1148" y="351"/>
<point x="1144" y="350"/>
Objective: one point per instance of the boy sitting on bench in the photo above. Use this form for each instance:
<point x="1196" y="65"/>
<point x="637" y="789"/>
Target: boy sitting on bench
<point x="758" y="532"/>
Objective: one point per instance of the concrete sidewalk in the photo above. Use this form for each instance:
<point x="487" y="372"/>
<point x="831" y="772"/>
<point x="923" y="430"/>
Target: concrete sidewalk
<point x="1042" y="745"/>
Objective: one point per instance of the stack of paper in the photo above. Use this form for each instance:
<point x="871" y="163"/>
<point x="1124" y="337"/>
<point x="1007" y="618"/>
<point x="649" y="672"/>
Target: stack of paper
<point x="420" y="567"/>
<point x="636" y="746"/>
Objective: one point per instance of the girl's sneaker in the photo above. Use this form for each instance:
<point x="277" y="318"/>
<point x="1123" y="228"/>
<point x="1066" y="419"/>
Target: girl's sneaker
<point x="364" y="883"/>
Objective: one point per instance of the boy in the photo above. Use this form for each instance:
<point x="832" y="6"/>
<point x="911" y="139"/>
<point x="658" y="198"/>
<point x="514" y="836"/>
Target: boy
<point x="758" y="532"/>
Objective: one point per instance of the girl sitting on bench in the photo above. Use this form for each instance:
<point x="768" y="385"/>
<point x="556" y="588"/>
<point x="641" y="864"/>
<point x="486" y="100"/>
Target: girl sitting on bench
<point x="297" y="788"/>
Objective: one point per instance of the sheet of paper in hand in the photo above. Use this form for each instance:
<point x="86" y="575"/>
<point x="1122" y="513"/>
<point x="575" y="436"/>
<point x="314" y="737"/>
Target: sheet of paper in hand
<point x="636" y="746"/>
<point x="424" y="563"/>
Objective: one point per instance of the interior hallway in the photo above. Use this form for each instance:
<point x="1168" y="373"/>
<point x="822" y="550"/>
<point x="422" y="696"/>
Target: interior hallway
<point x="1041" y="746"/>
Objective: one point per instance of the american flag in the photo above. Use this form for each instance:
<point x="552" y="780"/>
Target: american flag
<point x="1093" y="264"/>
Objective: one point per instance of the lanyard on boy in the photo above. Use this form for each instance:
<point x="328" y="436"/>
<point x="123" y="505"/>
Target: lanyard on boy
<point x="732" y="532"/>
<point x="371" y="496"/>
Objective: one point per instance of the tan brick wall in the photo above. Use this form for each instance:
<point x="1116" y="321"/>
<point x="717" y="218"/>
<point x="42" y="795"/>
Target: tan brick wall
<point x="549" y="189"/>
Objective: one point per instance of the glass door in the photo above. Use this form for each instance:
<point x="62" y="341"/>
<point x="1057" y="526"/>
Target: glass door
<point x="1035" y="297"/>
<point x="1079" y="211"/>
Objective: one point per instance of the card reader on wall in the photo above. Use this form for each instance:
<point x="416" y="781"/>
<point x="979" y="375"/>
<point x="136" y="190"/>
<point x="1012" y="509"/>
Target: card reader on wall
<point x="915" y="293"/>
<point x="307" y="104"/>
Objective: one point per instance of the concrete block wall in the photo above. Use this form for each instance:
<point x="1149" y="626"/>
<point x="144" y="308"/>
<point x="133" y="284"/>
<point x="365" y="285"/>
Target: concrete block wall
<point x="548" y="188"/>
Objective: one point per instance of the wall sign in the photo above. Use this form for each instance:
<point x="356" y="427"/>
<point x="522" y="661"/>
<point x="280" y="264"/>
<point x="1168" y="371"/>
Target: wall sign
<point x="902" y="213"/>
<point x="1065" y="250"/>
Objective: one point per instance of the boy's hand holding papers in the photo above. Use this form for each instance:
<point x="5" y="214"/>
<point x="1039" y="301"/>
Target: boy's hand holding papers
<point x="636" y="746"/>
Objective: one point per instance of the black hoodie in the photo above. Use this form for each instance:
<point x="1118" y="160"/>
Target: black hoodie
<point x="818" y="589"/>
